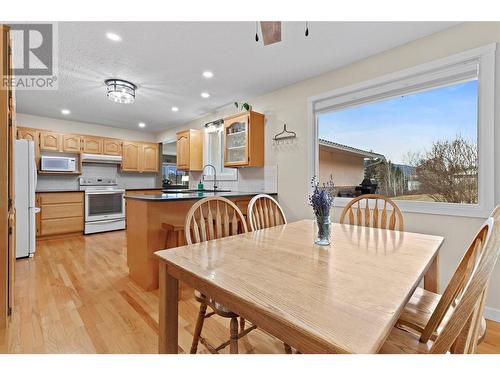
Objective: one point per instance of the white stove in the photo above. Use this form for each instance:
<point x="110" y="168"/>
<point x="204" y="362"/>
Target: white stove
<point x="104" y="204"/>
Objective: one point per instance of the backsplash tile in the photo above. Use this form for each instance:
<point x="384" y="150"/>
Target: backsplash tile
<point x="249" y="180"/>
<point x="124" y="180"/>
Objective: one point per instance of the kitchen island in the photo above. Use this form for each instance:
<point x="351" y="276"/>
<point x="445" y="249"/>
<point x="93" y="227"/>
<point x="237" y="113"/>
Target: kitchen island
<point x="146" y="232"/>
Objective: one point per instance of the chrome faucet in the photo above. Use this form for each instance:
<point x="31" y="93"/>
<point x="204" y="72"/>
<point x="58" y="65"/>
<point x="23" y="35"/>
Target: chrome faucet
<point x="215" y="174"/>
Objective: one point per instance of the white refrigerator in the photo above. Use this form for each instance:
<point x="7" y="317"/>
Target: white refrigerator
<point x="25" y="175"/>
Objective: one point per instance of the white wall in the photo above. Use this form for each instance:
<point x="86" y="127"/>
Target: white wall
<point x="65" y="126"/>
<point x="289" y="105"/>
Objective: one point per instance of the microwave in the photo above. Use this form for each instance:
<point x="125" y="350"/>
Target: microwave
<point x="58" y="164"/>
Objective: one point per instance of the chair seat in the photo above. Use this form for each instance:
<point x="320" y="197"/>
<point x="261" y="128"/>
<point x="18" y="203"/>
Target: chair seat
<point x="419" y="309"/>
<point x="217" y="307"/>
<point x="403" y="342"/>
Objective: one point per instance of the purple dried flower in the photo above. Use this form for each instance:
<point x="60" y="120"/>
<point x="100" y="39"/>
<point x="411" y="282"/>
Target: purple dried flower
<point x="322" y="197"/>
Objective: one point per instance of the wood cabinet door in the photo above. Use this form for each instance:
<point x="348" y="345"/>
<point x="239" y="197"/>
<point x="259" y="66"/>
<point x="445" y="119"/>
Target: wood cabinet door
<point x="149" y="157"/>
<point x="71" y="143"/>
<point x="31" y="135"/>
<point x="50" y="141"/>
<point x="112" y="147"/>
<point x="236" y="141"/>
<point x="92" y="145"/>
<point x="183" y="150"/>
<point x="131" y="157"/>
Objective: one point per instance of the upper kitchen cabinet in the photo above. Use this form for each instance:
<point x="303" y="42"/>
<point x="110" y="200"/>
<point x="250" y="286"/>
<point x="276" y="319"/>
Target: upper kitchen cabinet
<point x="149" y="157"/>
<point x="190" y="150"/>
<point x="50" y="141"/>
<point x="71" y="143"/>
<point x="92" y="145"/>
<point x="140" y="157"/>
<point x="131" y="154"/>
<point x="112" y="147"/>
<point x="31" y="135"/>
<point x="244" y="140"/>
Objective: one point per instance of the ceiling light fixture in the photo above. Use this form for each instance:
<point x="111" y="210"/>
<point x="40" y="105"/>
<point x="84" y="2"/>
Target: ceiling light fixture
<point x="114" y="37"/>
<point x="142" y="125"/>
<point x="208" y="74"/>
<point x="175" y="109"/>
<point x="205" y="95"/>
<point x="120" y="91"/>
<point x="65" y="111"/>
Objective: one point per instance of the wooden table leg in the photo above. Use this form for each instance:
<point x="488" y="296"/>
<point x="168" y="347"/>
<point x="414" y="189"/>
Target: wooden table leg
<point x="168" y="333"/>
<point x="431" y="278"/>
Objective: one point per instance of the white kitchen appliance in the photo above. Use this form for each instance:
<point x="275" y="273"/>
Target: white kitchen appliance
<point x="25" y="178"/>
<point x="104" y="204"/>
<point x="58" y="163"/>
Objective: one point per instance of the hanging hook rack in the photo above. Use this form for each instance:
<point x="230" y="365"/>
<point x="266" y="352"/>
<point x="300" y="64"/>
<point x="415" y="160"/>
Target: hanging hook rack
<point x="285" y="134"/>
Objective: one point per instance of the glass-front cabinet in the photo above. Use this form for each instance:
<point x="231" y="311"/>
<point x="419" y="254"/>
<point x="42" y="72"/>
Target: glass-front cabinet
<point x="244" y="140"/>
<point x="236" y="132"/>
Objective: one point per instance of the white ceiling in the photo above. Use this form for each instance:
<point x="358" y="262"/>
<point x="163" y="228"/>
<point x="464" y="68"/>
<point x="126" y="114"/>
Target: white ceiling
<point x="166" y="60"/>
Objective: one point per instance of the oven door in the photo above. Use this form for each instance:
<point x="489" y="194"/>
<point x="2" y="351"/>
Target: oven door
<point x="104" y="205"/>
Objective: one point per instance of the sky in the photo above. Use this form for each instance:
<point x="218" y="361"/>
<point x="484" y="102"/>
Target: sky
<point x="408" y="123"/>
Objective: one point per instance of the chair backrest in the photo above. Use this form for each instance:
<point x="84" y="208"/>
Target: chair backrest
<point x="461" y="332"/>
<point x="459" y="280"/>
<point x="385" y="214"/>
<point x="264" y="212"/>
<point x="211" y="218"/>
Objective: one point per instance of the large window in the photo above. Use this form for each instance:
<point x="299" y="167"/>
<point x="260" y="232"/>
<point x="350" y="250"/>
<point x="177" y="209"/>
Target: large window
<point x="418" y="146"/>
<point x="423" y="136"/>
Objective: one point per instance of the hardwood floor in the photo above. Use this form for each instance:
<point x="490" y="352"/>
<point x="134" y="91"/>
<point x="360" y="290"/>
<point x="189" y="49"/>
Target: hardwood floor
<point x="75" y="296"/>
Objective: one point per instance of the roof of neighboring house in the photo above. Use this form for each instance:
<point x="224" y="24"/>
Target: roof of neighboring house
<point x="338" y="146"/>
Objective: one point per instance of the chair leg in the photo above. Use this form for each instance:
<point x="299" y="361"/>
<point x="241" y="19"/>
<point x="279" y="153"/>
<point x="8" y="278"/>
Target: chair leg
<point x="233" y="349"/>
<point x="242" y="324"/>
<point x="199" y="327"/>
<point x="288" y="348"/>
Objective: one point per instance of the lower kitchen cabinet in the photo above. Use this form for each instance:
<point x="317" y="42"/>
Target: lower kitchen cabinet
<point x="143" y="192"/>
<point x="61" y="213"/>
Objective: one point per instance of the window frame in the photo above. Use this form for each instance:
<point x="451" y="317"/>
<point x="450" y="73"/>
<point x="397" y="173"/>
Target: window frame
<point x="233" y="175"/>
<point x="423" y="77"/>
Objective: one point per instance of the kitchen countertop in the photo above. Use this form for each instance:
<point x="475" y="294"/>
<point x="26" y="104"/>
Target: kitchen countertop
<point x="193" y="195"/>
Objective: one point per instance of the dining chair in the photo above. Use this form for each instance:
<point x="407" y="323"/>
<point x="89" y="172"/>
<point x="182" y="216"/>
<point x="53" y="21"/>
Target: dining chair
<point x="427" y="312"/>
<point x="384" y="215"/>
<point x="209" y="219"/>
<point x="264" y="212"/>
<point x="463" y="302"/>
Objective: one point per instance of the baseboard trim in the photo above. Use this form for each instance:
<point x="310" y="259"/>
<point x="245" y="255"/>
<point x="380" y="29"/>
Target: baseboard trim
<point x="492" y="314"/>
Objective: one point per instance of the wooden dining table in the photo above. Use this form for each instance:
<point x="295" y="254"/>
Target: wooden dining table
<point x="341" y="298"/>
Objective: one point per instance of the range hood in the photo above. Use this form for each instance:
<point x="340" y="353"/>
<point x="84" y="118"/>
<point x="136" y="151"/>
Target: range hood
<point x="104" y="159"/>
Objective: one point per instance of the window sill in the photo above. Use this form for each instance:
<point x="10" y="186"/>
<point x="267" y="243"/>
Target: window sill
<point x="434" y="208"/>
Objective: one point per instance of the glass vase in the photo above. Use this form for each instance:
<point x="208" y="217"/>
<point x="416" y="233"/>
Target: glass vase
<point x="324" y="230"/>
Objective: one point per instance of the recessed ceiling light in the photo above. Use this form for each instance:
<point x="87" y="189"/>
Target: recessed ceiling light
<point x="208" y="74"/>
<point x="65" y="111"/>
<point x="175" y="109"/>
<point x="114" y="37"/>
<point x="205" y="95"/>
<point x="142" y="125"/>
